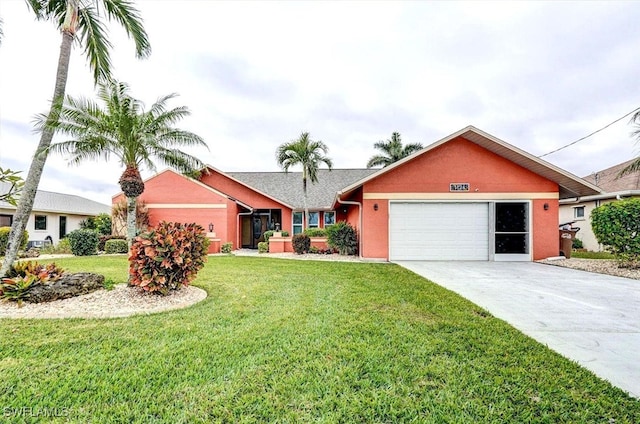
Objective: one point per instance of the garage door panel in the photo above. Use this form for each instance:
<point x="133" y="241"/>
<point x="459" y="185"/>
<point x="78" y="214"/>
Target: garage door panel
<point x="439" y="231"/>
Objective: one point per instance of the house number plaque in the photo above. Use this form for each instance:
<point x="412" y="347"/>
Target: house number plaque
<point x="459" y="187"/>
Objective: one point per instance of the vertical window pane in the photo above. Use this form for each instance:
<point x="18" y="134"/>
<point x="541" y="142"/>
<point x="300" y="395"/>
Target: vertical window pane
<point x="314" y="219"/>
<point x="40" y="222"/>
<point x="329" y="218"/>
<point x="297" y="222"/>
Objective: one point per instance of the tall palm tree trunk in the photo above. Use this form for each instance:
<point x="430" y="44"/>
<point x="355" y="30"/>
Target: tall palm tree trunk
<point x="131" y="220"/>
<point x="306" y="207"/>
<point x="27" y="197"/>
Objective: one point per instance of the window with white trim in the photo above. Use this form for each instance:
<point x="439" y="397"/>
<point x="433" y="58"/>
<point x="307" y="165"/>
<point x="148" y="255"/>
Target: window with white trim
<point x="314" y="219"/>
<point x="297" y="222"/>
<point x="578" y="212"/>
<point x="40" y="222"/>
<point x="329" y="218"/>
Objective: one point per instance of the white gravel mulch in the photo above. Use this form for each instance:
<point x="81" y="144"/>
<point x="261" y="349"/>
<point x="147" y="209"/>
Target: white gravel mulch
<point x="600" y="266"/>
<point x="121" y="301"/>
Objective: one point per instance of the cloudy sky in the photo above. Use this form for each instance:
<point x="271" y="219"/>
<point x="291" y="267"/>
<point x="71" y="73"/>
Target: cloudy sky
<point x="538" y="75"/>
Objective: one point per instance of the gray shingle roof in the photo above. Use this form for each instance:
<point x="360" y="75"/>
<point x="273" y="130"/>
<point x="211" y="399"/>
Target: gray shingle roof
<point x="48" y="201"/>
<point x="608" y="180"/>
<point x="287" y="187"/>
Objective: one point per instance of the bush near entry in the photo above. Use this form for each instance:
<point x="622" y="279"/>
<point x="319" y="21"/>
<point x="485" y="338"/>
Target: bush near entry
<point x="301" y="243"/>
<point x="616" y="225"/>
<point x="343" y="237"/>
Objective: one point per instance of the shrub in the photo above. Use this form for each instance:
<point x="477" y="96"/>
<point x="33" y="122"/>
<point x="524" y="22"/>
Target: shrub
<point x="4" y="239"/>
<point x="577" y="244"/>
<point x="104" y="239"/>
<point x="24" y="276"/>
<point x="116" y="246"/>
<point x="263" y="247"/>
<point x="83" y="242"/>
<point x="168" y="256"/>
<point x="314" y="250"/>
<point x="48" y="272"/>
<point x="88" y="223"/>
<point x="17" y="288"/>
<point x="227" y="247"/>
<point x="316" y="232"/>
<point x="63" y="247"/>
<point x="343" y="237"/>
<point x="268" y="234"/>
<point x="301" y="243"/>
<point x="616" y="225"/>
<point x="103" y="224"/>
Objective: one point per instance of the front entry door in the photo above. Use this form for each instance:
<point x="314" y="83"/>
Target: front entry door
<point x="512" y="231"/>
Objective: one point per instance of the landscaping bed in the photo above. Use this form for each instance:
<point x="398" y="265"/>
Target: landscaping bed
<point x="601" y="266"/>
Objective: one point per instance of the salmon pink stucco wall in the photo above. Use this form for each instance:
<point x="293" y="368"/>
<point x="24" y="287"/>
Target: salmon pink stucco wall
<point x="170" y="196"/>
<point x="460" y="161"/>
<point x="246" y="195"/>
<point x="545" y="228"/>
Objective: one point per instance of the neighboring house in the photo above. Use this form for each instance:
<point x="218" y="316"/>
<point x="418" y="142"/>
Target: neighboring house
<point x="54" y="214"/>
<point x="578" y="209"/>
<point x="469" y="196"/>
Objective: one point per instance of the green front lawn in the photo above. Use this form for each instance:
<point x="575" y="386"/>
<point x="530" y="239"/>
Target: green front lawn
<point x="296" y="341"/>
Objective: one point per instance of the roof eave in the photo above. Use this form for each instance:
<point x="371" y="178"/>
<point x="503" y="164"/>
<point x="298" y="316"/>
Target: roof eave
<point x="603" y="196"/>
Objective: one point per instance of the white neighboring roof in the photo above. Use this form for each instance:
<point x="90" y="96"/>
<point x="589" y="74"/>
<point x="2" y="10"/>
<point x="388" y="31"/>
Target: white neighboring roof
<point x="68" y="204"/>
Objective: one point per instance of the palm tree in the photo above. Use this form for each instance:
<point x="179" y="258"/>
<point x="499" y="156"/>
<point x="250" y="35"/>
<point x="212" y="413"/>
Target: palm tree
<point x="82" y="21"/>
<point x="635" y="165"/>
<point x="393" y="151"/>
<point x="308" y="153"/>
<point x="125" y="130"/>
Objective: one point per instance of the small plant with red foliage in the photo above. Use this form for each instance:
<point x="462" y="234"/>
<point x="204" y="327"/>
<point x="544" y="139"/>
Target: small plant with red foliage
<point x="167" y="257"/>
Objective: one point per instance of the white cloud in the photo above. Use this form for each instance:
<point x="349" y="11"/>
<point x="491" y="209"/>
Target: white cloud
<point x="256" y="74"/>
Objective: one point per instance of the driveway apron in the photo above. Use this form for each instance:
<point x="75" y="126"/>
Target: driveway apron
<point x="590" y="318"/>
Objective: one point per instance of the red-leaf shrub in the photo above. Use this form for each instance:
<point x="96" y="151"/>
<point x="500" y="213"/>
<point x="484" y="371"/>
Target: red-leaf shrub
<point x="167" y="257"/>
<point x="301" y="243"/>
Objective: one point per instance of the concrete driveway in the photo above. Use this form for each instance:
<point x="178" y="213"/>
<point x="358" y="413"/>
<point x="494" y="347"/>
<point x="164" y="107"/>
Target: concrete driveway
<point x="593" y="319"/>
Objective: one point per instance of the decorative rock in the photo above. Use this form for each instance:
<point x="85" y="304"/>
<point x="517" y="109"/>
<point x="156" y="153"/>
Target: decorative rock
<point x="69" y="285"/>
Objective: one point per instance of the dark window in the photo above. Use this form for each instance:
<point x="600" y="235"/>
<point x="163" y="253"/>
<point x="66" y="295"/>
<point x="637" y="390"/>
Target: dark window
<point x="40" y="222"/>
<point x="511" y="228"/>
<point x="63" y="226"/>
<point x="6" y="220"/>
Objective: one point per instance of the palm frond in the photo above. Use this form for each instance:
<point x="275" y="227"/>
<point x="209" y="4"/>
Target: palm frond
<point x="129" y="17"/>
<point x="392" y="150"/>
<point x="97" y="45"/>
<point x="378" y="160"/>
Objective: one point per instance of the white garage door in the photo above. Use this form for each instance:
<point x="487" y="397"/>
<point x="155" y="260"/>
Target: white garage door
<point x="439" y="231"/>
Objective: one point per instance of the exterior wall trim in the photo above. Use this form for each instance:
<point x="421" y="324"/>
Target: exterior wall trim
<point x="460" y="196"/>
<point x="186" y="206"/>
